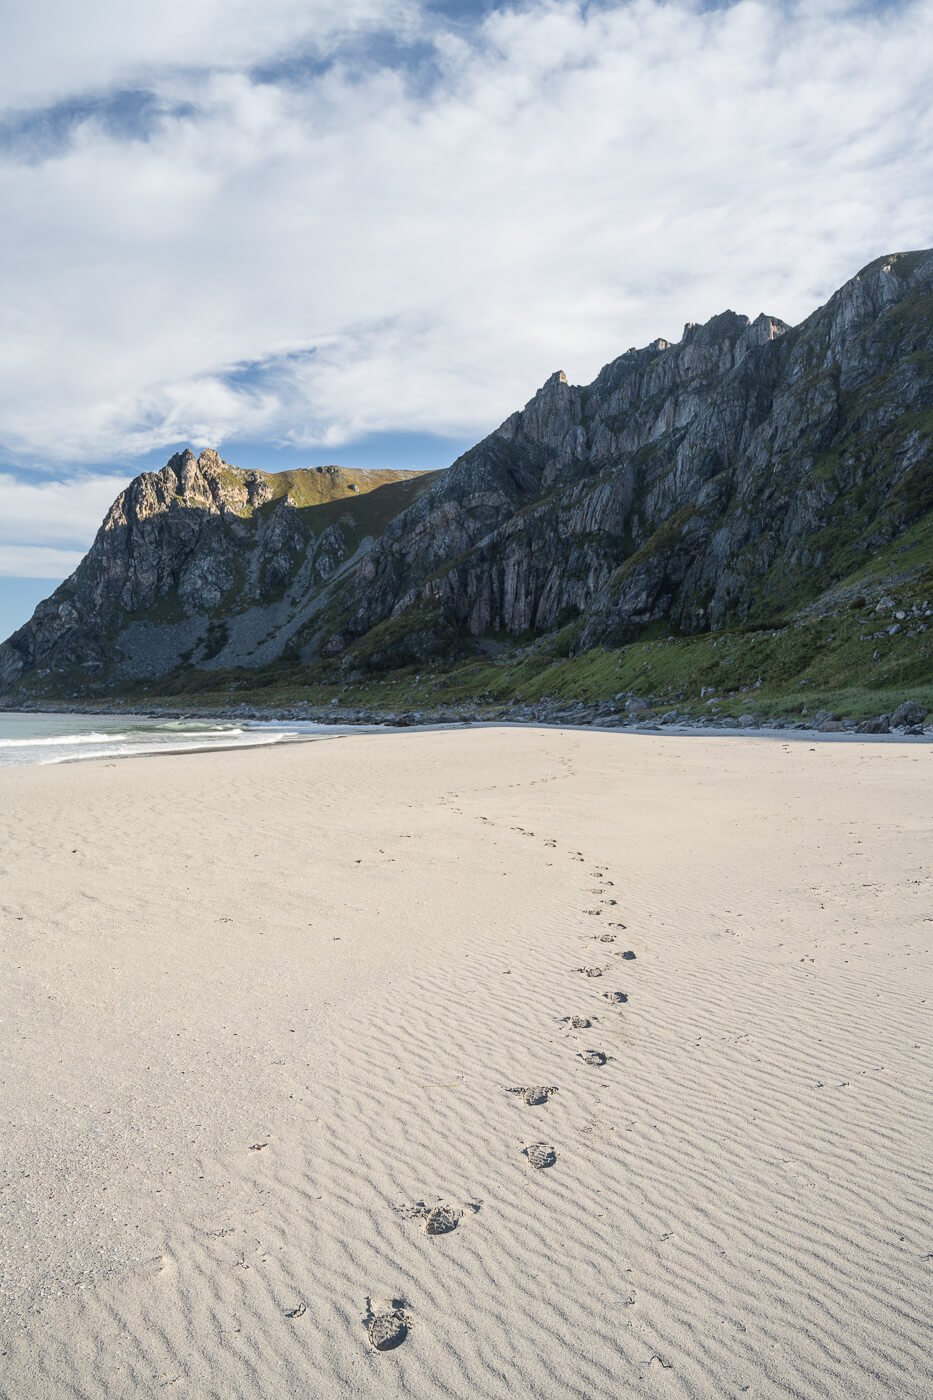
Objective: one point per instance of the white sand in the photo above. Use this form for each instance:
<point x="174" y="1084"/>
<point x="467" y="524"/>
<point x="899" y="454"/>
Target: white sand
<point x="255" y="1003"/>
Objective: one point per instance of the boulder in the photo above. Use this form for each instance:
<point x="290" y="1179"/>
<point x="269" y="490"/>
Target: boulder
<point x="908" y="714"/>
<point x="881" y="724"/>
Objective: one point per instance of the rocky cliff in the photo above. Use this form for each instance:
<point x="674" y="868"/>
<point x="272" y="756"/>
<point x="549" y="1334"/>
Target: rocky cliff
<point x="202" y="565"/>
<point x="726" y="480"/>
<point x="704" y="483"/>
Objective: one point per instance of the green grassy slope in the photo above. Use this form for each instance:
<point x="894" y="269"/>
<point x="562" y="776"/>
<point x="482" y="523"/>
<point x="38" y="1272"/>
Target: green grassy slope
<point x="839" y="653"/>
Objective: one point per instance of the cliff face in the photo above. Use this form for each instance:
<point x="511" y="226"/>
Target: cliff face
<point x="701" y="483"/>
<point x="727" y="478"/>
<point x="201" y="560"/>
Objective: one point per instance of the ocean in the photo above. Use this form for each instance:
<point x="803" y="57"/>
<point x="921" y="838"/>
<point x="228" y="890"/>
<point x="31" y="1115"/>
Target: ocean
<point x="56" y="738"/>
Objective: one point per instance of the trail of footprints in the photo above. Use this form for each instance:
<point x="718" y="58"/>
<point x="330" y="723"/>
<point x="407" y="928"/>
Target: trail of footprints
<point x="388" y="1321"/>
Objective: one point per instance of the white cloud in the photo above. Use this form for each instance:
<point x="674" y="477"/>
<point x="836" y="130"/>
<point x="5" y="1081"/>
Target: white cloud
<point x="37" y="561"/>
<point x="54" y="513"/>
<point x="54" y="49"/>
<point x="576" y="181"/>
<point x="47" y="526"/>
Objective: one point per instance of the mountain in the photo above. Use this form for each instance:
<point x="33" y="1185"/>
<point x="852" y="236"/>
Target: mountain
<point x="203" y="564"/>
<point x="752" y="477"/>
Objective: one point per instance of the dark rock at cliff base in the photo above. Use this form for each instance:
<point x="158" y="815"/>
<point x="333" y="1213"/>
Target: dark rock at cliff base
<point x="879" y="725"/>
<point x="908" y="714"/>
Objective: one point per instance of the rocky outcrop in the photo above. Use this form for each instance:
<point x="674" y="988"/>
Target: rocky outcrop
<point x="702" y="484"/>
<point x="201" y="564"/>
<point x="718" y="481"/>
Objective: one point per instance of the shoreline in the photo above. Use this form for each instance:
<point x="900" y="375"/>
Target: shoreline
<point x="578" y="716"/>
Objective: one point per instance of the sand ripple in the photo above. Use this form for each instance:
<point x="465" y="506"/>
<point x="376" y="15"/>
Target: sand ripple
<point x="252" y="1065"/>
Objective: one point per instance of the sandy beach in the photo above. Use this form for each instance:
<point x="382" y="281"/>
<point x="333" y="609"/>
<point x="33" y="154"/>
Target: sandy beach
<point x="263" y="1011"/>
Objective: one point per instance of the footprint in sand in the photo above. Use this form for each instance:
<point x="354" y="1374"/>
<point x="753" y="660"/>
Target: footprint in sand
<point x="439" y="1219"/>
<point x="593" y="913"/>
<point x="387" y="1323"/>
<point x="605" y="937"/>
<point x="628" y="955"/>
<point x="590" y="971"/>
<point x="592" y="1057"/>
<point x="616" y="997"/>
<point x="540" y="1155"/>
<point x="537" y="1093"/>
<point x="577" y="1023"/>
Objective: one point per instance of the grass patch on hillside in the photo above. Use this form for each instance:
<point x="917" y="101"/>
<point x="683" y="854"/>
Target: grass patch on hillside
<point x="372" y="508"/>
<point x="791" y="672"/>
<point x="314" y="486"/>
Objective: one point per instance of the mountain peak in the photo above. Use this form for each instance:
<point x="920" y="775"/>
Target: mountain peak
<point x="699" y="485"/>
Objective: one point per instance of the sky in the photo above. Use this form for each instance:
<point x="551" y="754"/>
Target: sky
<point x="365" y="231"/>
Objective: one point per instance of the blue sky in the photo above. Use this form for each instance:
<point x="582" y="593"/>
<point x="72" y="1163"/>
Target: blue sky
<point x="364" y="231"/>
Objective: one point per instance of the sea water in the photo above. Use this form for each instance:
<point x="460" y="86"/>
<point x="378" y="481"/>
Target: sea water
<point x="57" y="738"/>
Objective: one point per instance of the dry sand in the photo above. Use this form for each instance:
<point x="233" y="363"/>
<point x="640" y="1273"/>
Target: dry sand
<point x="261" y="1008"/>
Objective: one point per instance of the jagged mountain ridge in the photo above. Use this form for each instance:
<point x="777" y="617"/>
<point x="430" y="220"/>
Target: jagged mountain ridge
<point x="685" y="479"/>
<point x="726" y="478"/>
